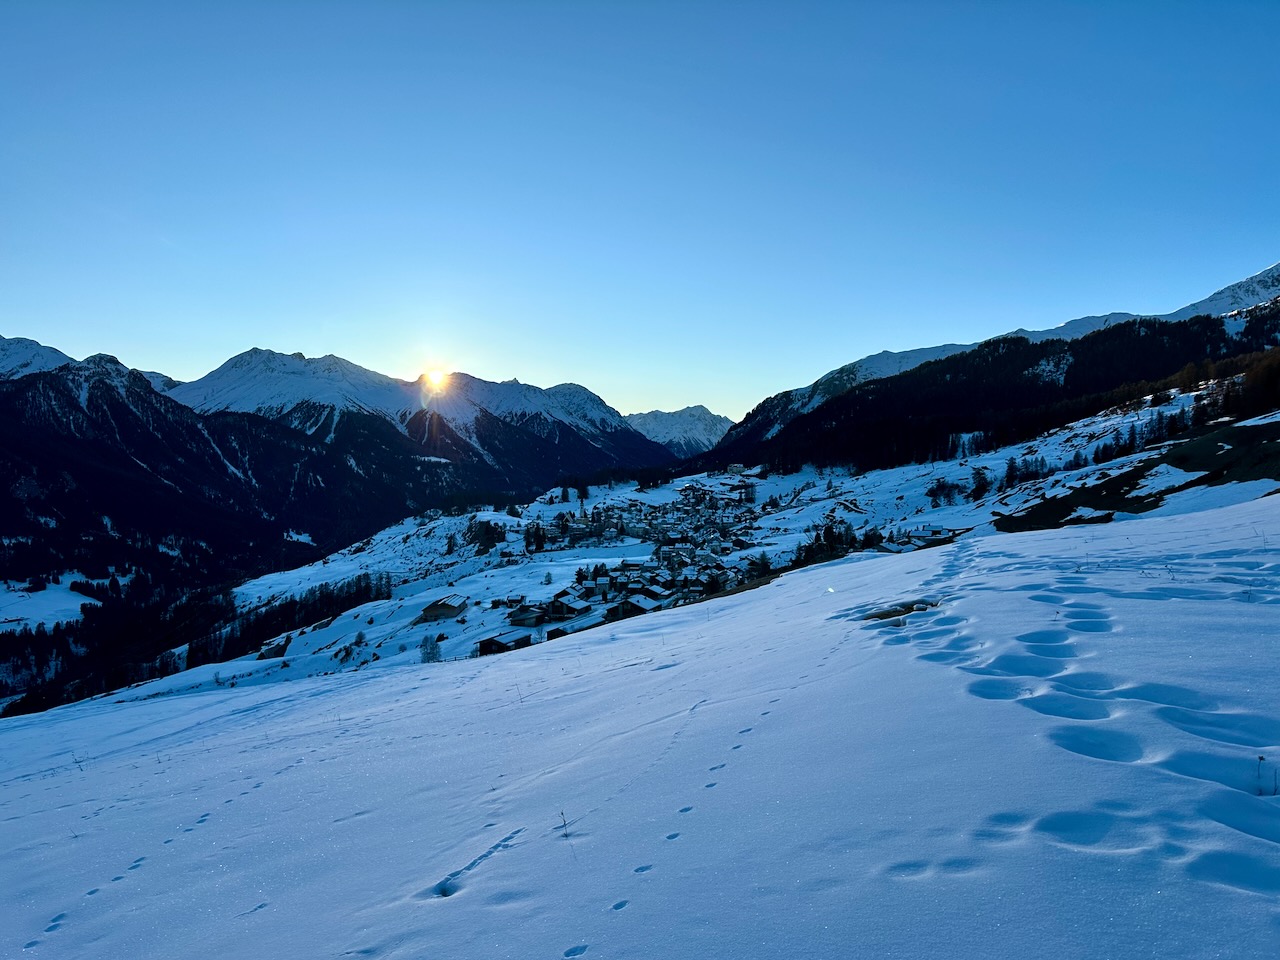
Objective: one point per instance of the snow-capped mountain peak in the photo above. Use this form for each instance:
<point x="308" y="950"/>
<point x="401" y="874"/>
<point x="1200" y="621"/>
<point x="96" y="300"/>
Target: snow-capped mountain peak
<point x="271" y="384"/>
<point x="686" y="432"/>
<point x="20" y="356"/>
<point x="274" y="384"/>
<point x="1249" y="292"/>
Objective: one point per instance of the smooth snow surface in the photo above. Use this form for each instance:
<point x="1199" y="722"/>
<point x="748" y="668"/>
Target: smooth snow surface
<point x="56" y="603"/>
<point x="1056" y="744"/>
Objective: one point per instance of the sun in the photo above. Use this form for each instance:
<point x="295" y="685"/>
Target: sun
<point x="436" y="379"/>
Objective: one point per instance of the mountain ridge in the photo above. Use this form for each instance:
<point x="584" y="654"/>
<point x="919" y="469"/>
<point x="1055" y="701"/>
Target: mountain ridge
<point x="769" y="416"/>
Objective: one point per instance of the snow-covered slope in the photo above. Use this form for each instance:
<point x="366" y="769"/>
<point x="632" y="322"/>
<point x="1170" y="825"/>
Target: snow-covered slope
<point x="773" y="413"/>
<point x="1058" y="743"/>
<point x="20" y="356"/>
<point x="1237" y="296"/>
<point x="686" y="432"/>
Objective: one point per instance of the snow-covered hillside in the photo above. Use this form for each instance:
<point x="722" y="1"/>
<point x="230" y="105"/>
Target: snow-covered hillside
<point x="1055" y="743"/>
<point x="686" y="432"/>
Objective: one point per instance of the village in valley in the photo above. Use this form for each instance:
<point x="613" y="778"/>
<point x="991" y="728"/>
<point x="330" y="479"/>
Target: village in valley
<point x="582" y="557"/>
<point x="705" y="540"/>
<point x="487" y="579"/>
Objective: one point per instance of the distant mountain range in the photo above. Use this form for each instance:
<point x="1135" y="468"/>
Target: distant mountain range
<point x="269" y="458"/>
<point x="775" y="412"/>
<point x="1009" y="390"/>
<point x="510" y="435"/>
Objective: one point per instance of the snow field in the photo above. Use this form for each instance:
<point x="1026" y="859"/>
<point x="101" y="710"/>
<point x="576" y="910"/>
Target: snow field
<point x="1039" y="743"/>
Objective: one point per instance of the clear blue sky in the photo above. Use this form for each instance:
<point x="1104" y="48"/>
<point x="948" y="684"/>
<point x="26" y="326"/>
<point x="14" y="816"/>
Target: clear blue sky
<point x="670" y="203"/>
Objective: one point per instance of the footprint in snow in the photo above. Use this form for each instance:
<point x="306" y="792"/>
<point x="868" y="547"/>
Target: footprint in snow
<point x="920" y="869"/>
<point x="1112" y="745"/>
<point x="1003" y="828"/>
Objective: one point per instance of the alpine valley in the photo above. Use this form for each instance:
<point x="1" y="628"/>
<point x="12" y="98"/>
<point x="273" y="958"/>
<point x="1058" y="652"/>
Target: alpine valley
<point x="969" y="650"/>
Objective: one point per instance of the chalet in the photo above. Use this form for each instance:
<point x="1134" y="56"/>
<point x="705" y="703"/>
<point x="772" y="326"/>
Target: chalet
<point x="931" y="535"/>
<point x="677" y="548"/>
<point x="443" y="608"/>
<point x="566" y="608"/>
<point x="527" y="615"/>
<point x="502" y="642"/>
<point x="632" y="607"/>
<point x="576" y="625"/>
<point x="655" y="593"/>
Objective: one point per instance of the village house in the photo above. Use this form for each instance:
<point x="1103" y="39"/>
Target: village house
<point x="527" y="615"/>
<point x="443" y="608"/>
<point x="566" y="608"/>
<point x="632" y="607"/>
<point x="593" y="619"/>
<point x="503" y="642"/>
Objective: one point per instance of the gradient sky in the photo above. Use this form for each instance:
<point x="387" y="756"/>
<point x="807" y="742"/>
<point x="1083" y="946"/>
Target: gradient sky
<point x="669" y="203"/>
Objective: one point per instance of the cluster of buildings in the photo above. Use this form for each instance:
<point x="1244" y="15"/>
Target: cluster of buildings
<point x="604" y="595"/>
<point x="702" y="545"/>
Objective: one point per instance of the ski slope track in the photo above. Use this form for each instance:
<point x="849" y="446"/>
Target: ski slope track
<point x="1061" y="743"/>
